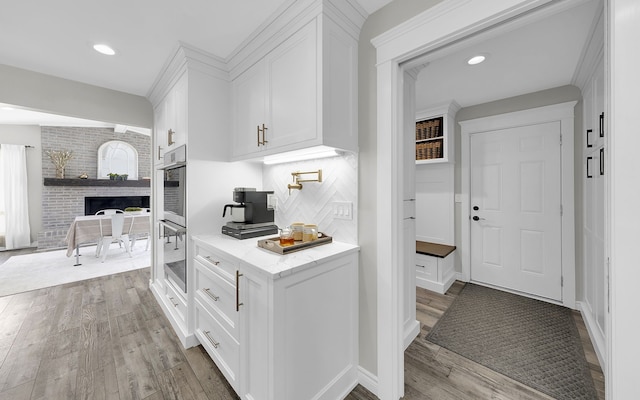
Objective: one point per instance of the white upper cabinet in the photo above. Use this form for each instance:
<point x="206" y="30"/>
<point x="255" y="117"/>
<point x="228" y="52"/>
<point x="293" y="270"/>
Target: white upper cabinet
<point x="170" y="117"/>
<point x="293" y="88"/>
<point x="301" y="94"/>
<point x="249" y="110"/>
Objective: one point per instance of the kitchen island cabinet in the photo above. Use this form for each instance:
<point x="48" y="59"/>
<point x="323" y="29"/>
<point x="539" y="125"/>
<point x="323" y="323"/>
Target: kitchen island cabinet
<point x="278" y="327"/>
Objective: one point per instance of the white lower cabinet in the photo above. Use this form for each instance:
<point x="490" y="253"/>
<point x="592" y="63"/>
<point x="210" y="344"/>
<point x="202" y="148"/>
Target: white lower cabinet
<point x="287" y="335"/>
<point x="223" y="348"/>
<point x="435" y="273"/>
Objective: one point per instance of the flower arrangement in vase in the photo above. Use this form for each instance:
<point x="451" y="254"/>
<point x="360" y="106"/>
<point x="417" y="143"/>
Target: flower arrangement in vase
<point x="60" y="158"/>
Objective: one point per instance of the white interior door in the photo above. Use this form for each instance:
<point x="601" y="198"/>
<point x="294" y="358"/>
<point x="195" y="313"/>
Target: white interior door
<point x="515" y="195"/>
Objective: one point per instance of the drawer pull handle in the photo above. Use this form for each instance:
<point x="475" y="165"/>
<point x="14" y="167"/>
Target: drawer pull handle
<point x="212" y="261"/>
<point x="213" y="342"/>
<point x="172" y="302"/>
<point x="238" y="304"/>
<point x="418" y="265"/>
<point x="213" y="296"/>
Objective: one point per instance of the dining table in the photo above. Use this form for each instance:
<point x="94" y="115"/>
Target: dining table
<point x="87" y="229"/>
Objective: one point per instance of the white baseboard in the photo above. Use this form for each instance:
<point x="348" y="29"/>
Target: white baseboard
<point x="368" y="380"/>
<point x="597" y="338"/>
<point x="411" y="331"/>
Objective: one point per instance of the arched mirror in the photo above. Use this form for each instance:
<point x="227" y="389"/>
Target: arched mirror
<point x="117" y="157"/>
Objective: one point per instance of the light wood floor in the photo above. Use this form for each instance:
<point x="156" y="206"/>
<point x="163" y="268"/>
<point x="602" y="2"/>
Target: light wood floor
<point x="433" y="372"/>
<point x="106" y="338"/>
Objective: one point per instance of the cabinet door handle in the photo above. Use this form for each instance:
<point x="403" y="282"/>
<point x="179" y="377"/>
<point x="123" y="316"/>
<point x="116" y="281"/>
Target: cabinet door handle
<point x="602" y="125"/>
<point x="213" y="296"/>
<point x="588" y="132"/>
<point x="214" y="262"/>
<point x="238" y="304"/>
<point x="264" y="135"/>
<point x="170" y="134"/>
<point x="213" y="342"/>
<point x="159" y="156"/>
<point x="589" y="173"/>
<point x="258" y="135"/>
<point x="602" y="161"/>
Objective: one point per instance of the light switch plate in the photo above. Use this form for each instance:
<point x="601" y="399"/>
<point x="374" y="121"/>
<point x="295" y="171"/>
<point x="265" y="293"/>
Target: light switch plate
<point x="343" y="210"/>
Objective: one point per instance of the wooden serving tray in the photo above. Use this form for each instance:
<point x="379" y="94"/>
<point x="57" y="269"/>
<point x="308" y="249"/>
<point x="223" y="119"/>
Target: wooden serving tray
<point x="273" y="244"/>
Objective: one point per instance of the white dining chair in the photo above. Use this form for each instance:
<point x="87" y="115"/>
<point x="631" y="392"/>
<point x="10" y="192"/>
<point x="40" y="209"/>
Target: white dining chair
<point x="119" y="234"/>
<point x="106" y="211"/>
<point x="109" y="211"/>
<point x="136" y="236"/>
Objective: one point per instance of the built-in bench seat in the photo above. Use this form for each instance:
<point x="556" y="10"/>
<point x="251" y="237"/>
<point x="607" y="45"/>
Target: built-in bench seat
<point x="434" y="249"/>
<point x="434" y="266"/>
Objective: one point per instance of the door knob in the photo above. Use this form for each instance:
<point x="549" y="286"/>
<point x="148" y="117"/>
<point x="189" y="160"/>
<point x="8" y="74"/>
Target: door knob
<point x="476" y="218"/>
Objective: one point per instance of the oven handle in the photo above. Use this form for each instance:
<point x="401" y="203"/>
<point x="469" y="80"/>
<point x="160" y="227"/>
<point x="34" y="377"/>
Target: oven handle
<point x="173" y="227"/>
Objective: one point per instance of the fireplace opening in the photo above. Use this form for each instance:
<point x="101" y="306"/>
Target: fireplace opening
<point x="95" y="204"/>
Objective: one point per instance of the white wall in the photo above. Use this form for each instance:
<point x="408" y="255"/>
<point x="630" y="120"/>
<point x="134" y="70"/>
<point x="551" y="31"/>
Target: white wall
<point x="435" y="203"/>
<point x="29" y="135"/>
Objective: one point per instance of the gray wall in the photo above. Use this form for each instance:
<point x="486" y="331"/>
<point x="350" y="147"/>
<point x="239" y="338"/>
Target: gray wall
<point x="29" y="135"/>
<point x="379" y="22"/>
<point x="64" y="97"/>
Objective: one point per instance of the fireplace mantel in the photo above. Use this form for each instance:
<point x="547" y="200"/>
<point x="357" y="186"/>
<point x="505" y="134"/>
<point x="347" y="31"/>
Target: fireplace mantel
<point x="96" y="182"/>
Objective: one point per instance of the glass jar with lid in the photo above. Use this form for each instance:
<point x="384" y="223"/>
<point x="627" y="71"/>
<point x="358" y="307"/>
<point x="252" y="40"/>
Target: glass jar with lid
<point x="298" y="228"/>
<point x="310" y="232"/>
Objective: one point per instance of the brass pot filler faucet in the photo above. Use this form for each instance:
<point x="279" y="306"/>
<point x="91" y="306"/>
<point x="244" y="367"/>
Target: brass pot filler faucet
<point x="298" y="182"/>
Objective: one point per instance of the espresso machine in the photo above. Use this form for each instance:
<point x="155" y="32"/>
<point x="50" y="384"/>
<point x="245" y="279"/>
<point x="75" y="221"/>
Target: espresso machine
<point x="251" y="215"/>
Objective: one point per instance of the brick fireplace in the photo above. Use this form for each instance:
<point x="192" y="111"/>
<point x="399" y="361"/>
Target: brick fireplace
<point x="63" y="200"/>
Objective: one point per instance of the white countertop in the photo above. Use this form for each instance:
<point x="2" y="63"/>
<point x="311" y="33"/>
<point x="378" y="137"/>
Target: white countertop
<point x="273" y="264"/>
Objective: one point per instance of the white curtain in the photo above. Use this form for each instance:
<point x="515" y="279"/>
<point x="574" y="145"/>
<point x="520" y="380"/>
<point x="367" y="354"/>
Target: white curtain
<point x="14" y="197"/>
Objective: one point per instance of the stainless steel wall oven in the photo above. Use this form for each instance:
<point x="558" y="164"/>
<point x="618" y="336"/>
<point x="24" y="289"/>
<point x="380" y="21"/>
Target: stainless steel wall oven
<point x="173" y="226"/>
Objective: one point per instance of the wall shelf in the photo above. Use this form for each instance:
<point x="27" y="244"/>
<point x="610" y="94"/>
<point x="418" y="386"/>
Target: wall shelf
<point x="95" y="182"/>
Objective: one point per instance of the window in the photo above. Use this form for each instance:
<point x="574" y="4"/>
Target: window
<point x="117" y="157"/>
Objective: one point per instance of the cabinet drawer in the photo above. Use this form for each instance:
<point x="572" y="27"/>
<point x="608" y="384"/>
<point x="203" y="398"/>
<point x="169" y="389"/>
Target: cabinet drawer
<point x="219" y="344"/>
<point x="178" y="304"/>
<point x="216" y="261"/>
<point x="427" y="267"/>
<point x="218" y="296"/>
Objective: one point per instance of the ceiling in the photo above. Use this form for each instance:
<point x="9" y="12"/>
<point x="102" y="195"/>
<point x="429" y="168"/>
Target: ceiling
<point x="58" y="38"/>
<point x="540" y="55"/>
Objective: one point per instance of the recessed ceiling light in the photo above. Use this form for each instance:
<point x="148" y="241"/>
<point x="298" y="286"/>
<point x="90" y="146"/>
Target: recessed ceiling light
<point x="477" y="59"/>
<point x="104" y="49"/>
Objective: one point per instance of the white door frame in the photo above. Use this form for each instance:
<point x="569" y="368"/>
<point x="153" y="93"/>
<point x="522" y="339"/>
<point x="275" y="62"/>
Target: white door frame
<point x="562" y="112"/>
<point x="425" y="34"/>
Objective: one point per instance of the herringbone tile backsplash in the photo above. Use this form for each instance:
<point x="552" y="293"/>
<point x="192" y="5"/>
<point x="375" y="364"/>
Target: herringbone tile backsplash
<point x="314" y="204"/>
